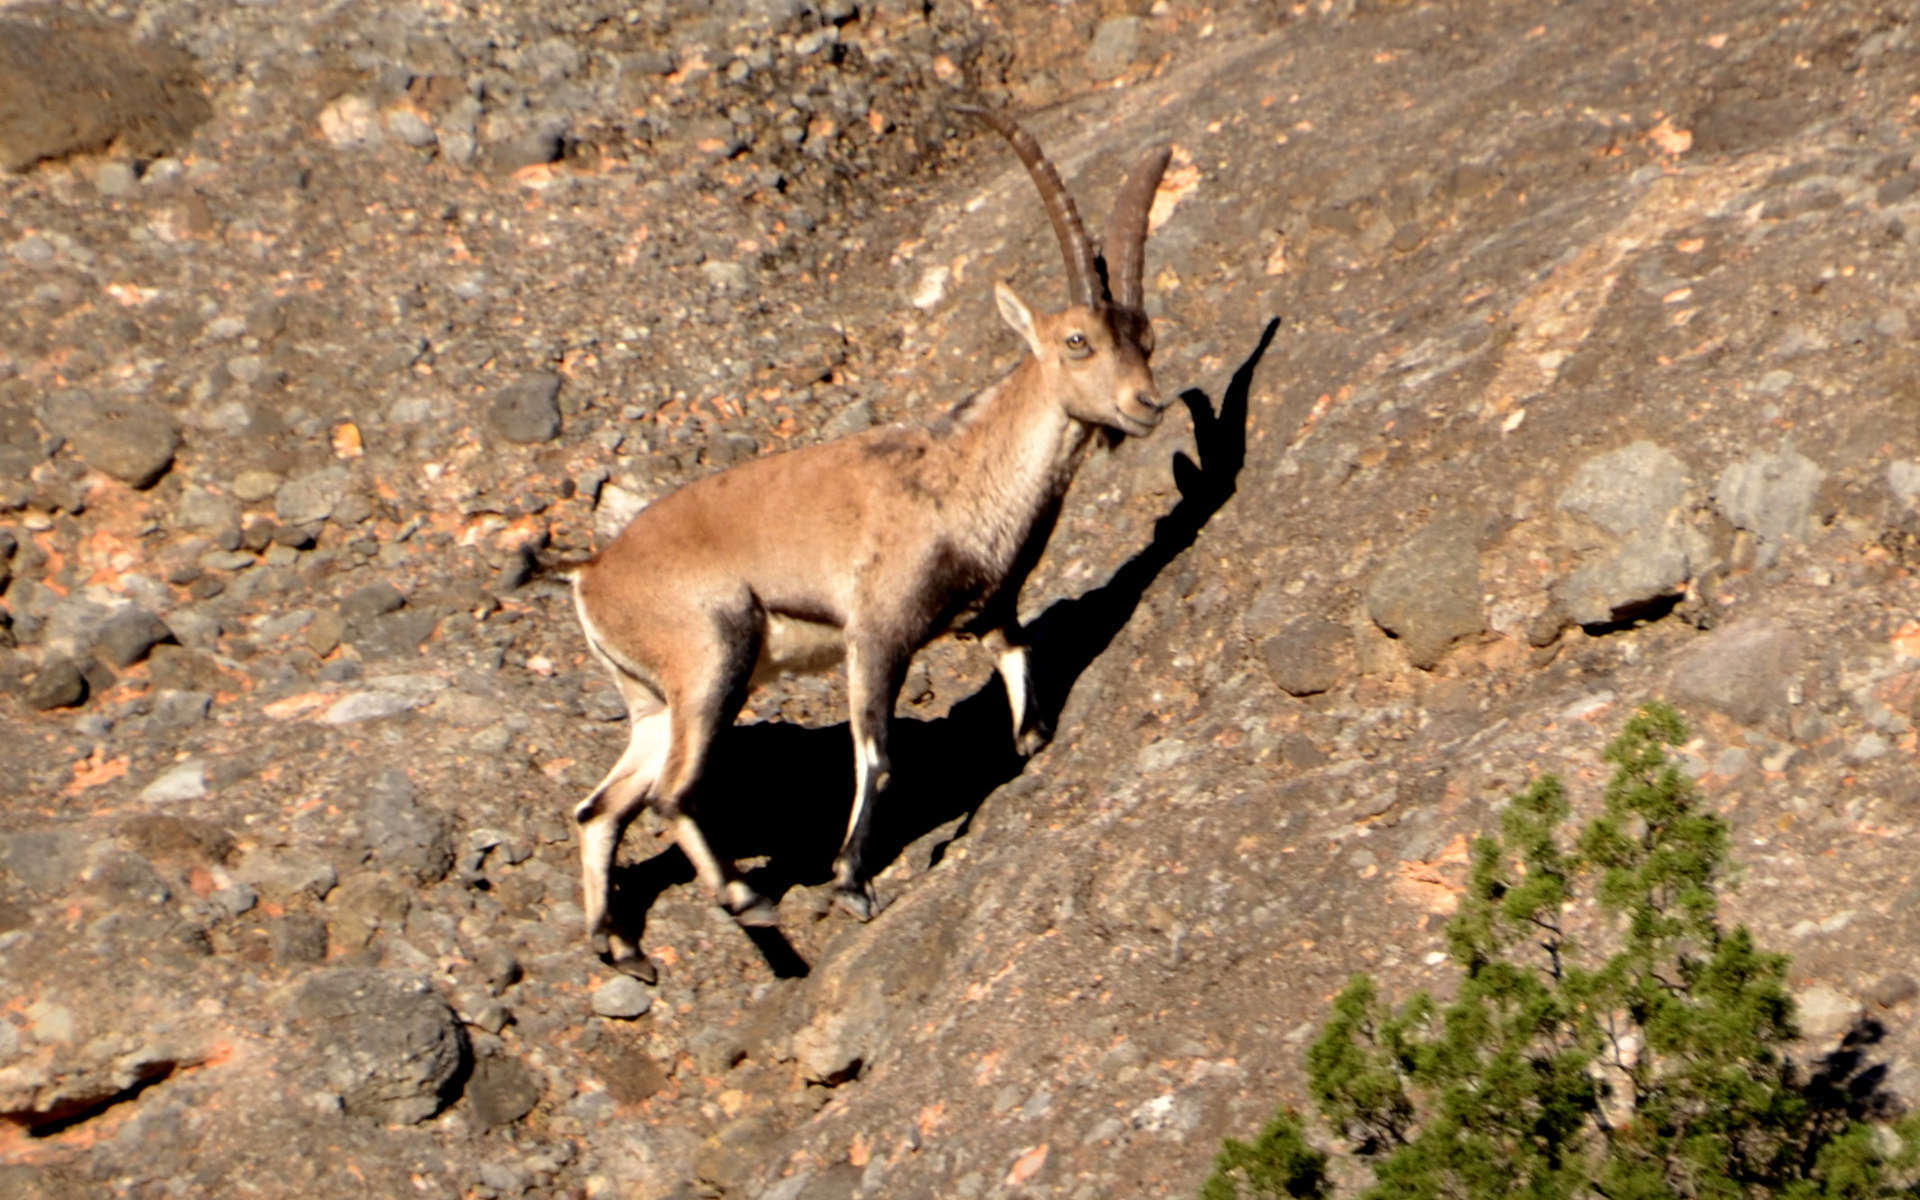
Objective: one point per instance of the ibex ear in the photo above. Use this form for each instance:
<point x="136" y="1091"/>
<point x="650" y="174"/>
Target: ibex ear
<point x="1014" y="312"/>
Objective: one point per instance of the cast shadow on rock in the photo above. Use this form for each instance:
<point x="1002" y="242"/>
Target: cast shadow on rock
<point x="783" y="791"/>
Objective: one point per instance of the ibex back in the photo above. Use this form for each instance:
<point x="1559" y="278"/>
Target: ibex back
<point x="864" y="548"/>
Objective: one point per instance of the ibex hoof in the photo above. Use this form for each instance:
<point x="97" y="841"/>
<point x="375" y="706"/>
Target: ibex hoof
<point x="756" y="913"/>
<point x="857" y="899"/>
<point x="1033" y="741"/>
<point x="634" y="963"/>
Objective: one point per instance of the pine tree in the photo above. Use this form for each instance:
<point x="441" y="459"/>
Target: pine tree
<point x="1652" y="1064"/>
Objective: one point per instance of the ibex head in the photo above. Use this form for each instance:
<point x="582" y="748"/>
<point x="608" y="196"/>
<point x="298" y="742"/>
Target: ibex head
<point x="1096" y="350"/>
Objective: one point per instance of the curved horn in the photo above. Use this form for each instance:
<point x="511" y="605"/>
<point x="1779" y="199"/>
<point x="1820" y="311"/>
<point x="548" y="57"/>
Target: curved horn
<point x="1126" y="240"/>
<point x="1075" y="247"/>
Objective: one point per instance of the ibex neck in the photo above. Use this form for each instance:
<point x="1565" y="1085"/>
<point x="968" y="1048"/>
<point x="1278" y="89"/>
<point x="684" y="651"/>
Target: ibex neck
<point x="1018" y="449"/>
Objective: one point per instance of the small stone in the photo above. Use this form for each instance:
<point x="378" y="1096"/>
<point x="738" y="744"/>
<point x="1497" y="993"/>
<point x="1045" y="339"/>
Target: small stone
<point x="932" y="288"/>
<point x="1115" y="45"/>
<point x="114" y="179"/>
<point x="235" y="899"/>
<point x="1867" y="747"/>
<point x="1427" y="590"/>
<point x="528" y="409"/>
<point x="135" y="447"/>
<point x="616" y="507"/>
<point x="502" y="1090"/>
<point x="401" y="832"/>
<point x="178" y="784"/>
<point x="227" y="560"/>
<point x="621" y="998"/>
<point x="205" y="510"/>
<point x="502" y="1179"/>
<point x="324" y="632"/>
<point x="851" y="419"/>
<point x="1903" y="476"/>
<point x="298" y="938"/>
<point x="59" y="684"/>
<point x="1731" y="762"/>
<point x="499" y="966"/>
<point x="493" y="1017"/>
<point x="1825" y="1013"/>
<point x="1303" y="658"/>
<point x="730" y="448"/>
<point x="1894" y="989"/>
<point x="1627" y="490"/>
<point x="350" y="123"/>
<point x="531" y="146"/>
<point x="494" y="739"/>
<point x="254" y="485"/>
<point x="311" y="497"/>
<point x="129" y="636"/>
<point x="367" y="706"/>
<point x="410" y="127"/>
<point x="1301" y="752"/>
<point x="371" y="601"/>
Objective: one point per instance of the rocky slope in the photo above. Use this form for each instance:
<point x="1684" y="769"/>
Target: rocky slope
<point x="1595" y="378"/>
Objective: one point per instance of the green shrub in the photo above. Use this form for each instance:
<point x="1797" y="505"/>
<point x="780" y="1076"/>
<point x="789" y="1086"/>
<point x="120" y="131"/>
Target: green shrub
<point x="1649" y="1064"/>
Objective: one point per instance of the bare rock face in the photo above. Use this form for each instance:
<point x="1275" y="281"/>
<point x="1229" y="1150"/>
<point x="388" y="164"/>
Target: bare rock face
<point x="70" y="83"/>
<point x="224" y="867"/>
<point x="386" y="1043"/>
<point x="1427" y="592"/>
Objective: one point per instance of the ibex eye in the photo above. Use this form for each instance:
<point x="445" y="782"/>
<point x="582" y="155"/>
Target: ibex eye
<point x="1077" y="342"/>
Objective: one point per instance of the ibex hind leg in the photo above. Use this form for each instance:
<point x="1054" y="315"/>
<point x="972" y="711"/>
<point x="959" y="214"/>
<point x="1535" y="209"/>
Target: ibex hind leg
<point x="704" y="711"/>
<point x="604" y="816"/>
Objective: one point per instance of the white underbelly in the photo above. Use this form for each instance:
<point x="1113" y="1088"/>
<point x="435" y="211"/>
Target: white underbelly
<point x="791" y="646"/>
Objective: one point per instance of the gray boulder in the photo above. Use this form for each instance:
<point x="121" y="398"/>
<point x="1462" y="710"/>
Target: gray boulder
<point x="1771" y="496"/>
<point x="1628" y="510"/>
<point x="386" y="1043"/>
<point x="1746" y="670"/>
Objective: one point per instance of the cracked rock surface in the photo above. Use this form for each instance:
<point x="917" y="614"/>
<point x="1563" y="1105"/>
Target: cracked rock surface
<point x="1596" y="380"/>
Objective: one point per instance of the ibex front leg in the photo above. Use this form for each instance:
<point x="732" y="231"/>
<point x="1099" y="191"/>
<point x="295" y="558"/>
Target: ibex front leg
<point x="874" y="673"/>
<point x="1031" y="729"/>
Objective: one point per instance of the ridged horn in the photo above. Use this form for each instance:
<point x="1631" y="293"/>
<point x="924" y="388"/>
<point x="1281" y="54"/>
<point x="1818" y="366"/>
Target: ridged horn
<point x="1126" y="240"/>
<point x="1076" y="248"/>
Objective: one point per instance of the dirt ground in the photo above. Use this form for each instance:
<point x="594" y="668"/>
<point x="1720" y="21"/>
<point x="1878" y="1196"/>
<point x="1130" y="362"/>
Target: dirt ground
<point x="1534" y="359"/>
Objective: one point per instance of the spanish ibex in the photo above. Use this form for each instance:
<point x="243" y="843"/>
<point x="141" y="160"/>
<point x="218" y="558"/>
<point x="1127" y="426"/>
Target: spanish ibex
<point x="863" y="548"/>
